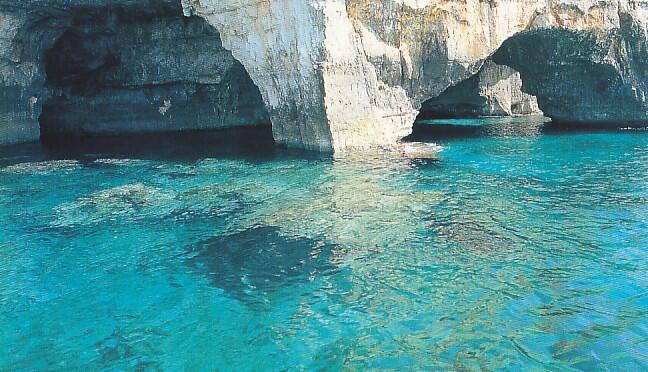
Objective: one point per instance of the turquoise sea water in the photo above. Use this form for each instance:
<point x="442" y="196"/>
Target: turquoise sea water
<point x="525" y="247"/>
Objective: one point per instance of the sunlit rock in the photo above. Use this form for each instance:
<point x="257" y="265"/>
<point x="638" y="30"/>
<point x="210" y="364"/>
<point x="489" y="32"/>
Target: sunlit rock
<point x="332" y="74"/>
<point x="422" y="150"/>
<point x="339" y="74"/>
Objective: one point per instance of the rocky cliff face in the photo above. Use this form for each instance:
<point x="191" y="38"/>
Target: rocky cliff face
<point x="496" y="90"/>
<point x="337" y="74"/>
<point x="117" y="67"/>
<point x="119" y="72"/>
<point x="21" y="76"/>
<point x="340" y="74"/>
<point x="592" y="77"/>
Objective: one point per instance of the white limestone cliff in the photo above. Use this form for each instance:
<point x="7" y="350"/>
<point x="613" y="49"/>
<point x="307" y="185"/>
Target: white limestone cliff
<point x="345" y="74"/>
<point x="341" y="74"/>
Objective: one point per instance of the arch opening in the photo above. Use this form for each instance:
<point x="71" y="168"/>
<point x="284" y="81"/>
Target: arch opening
<point x="578" y="79"/>
<point x="130" y="71"/>
<point x="585" y="79"/>
<point x="494" y="91"/>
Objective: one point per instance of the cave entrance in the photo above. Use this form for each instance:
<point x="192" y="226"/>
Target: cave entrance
<point x="585" y="79"/>
<point x="578" y="79"/>
<point x="125" y="71"/>
<point x="494" y="92"/>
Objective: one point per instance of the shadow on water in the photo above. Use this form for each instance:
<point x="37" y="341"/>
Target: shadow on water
<point x="254" y="144"/>
<point x="253" y="263"/>
<point x="530" y="126"/>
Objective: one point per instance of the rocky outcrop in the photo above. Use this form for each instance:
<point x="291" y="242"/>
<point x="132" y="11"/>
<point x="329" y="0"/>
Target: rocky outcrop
<point x="585" y="77"/>
<point x="340" y="74"/>
<point x="117" y="67"/>
<point x="22" y="42"/>
<point x="495" y="91"/>
<point x="337" y="74"/>
<point x="119" y="72"/>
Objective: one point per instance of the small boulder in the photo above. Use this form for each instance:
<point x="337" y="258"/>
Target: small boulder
<point x="421" y="150"/>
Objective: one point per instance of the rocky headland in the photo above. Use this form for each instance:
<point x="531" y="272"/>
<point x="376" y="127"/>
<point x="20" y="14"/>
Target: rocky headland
<point x="328" y="75"/>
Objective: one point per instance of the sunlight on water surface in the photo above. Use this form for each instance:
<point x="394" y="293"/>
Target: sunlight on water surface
<point x="523" y="247"/>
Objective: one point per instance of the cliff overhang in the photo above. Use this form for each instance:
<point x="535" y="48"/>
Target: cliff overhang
<point x="329" y="75"/>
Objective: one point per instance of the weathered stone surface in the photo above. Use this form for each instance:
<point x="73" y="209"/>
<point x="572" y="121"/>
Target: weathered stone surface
<point x="338" y="74"/>
<point x="21" y="76"/>
<point x="18" y="115"/>
<point x="115" y="72"/>
<point x="495" y="91"/>
<point x="589" y="77"/>
<point x="110" y="67"/>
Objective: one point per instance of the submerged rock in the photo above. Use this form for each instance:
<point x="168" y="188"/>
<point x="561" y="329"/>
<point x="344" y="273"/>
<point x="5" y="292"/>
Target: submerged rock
<point x="251" y="263"/>
<point x="422" y="150"/>
<point x="124" y="202"/>
<point x="44" y="167"/>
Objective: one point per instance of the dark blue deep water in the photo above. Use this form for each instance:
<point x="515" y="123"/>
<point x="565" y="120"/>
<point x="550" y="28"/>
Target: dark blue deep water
<point x="525" y="247"/>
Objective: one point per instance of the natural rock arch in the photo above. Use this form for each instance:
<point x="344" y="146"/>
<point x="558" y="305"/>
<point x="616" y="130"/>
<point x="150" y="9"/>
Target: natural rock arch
<point x="118" y="67"/>
<point x="590" y="77"/>
<point x="341" y="74"/>
<point x="496" y="90"/>
<point x="584" y="77"/>
<point x="129" y="71"/>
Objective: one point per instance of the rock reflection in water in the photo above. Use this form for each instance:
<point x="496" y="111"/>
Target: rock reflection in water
<point x="489" y="127"/>
<point x="362" y="200"/>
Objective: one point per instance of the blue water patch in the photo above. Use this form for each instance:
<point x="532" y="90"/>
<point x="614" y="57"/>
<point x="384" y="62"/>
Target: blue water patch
<point x="523" y="247"/>
<point x="253" y="263"/>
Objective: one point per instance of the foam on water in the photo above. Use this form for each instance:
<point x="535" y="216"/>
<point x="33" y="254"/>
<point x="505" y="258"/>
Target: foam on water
<point x="41" y="167"/>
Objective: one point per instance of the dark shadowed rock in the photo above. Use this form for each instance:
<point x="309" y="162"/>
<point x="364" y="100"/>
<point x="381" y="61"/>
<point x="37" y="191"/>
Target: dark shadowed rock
<point x="584" y="77"/>
<point x="115" y="67"/>
<point x="496" y="90"/>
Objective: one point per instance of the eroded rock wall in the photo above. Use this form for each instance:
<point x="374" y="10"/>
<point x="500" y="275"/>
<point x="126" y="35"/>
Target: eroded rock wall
<point x="21" y="76"/>
<point x="122" y="72"/>
<point x="338" y="74"/>
<point x="111" y="67"/>
<point x="312" y="68"/>
<point x="495" y="91"/>
<point x="588" y="77"/>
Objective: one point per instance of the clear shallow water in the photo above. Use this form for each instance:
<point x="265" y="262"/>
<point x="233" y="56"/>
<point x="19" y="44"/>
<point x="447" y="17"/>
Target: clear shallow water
<point x="524" y="247"/>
